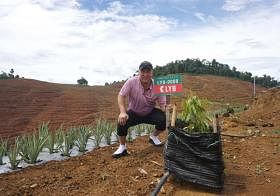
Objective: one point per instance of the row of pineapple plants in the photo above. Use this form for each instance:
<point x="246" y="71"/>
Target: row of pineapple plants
<point x="28" y="147"/>
<point x="139" y="130"/>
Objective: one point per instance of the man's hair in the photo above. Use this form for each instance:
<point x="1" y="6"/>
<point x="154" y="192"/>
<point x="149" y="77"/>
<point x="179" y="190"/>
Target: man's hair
<point x="145" y="65"/>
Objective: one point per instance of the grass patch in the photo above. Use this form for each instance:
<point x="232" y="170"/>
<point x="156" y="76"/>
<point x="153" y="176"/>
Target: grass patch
<point x="195" y="115"/>
<point x="3" y="149"/>
<point x="276" y="132"/>
<point x="13" y="152"/>
<point x="98" y="132"/>
<point x="65" y="142"/>
<point x="83" y="133"/>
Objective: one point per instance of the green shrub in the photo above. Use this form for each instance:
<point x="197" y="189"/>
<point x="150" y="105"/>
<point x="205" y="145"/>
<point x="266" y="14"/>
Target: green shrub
<point x="13" y="152"/>
<point x="73" y="136"/>
<point x="108" y="129"/>
<point x="149" y="128"/>
<point x="51" y="137"/>
<point x="139" y="129"/>
<point x="83" y="133"/>
<point x="3" y="149"/>
<point x="230" y="109"/>
<point x="195" y="115"/>
<point x="50" y="143"/>
<point x="115" y="134"/>
<point x="98" y="132"/>
<point x="65" y="140"/>
<point x="82" y="81"/>
<point x="129" y="135"/>
<point x="43" y="130"/>
<point x="31" y="146"/>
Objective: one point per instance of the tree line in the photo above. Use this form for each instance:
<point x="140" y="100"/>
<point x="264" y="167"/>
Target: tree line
<point x="197" y="66"/>
<point x="10" y="75"/>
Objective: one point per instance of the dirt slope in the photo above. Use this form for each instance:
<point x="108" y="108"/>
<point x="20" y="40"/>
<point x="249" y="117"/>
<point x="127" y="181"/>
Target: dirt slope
<point x="221" y="89"/>
<point x="25" y="104"/>
<point x="264" y="114"/>
<point x="266" y="107"/>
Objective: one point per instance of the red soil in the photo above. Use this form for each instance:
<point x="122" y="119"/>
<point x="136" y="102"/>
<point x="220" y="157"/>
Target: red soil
<point x="252" y="164"/>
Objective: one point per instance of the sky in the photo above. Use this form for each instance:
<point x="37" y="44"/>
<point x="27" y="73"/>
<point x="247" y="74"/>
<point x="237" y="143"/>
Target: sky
<point x="61" y="41"/>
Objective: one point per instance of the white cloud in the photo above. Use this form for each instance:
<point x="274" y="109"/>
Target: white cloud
<point x="54" y="4"/>
<point x="236" y="5"/>
<point x="59" y="42"/>
<point x="44" y="44"/>
<point x="200" y="16"/>
<point x="248" y="41"/>
<point x="258" y="66"/>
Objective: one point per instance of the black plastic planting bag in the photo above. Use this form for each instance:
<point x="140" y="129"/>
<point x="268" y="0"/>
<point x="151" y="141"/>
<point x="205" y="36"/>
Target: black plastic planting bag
<point x="195" y="158"/>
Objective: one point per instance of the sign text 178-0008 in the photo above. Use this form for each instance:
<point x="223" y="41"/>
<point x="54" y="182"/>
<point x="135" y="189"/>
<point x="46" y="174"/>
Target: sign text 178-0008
<point x="169" y="81"/>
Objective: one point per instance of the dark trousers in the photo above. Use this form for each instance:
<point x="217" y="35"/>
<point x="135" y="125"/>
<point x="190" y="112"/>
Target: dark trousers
<point x="155" y="117"/>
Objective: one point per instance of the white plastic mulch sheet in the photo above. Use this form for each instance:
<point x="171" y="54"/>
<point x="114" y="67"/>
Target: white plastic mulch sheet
<point x="45" y="156"/>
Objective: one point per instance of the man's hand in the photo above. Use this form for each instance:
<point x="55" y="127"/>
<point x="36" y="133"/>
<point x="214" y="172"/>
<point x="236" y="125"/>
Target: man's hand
<point x="122" y="118"/>
<point x="164" y="108"/>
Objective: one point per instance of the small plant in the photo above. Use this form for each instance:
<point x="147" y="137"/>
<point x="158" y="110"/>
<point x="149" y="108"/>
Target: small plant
<point x="83" y="133"/>
<point x="31" y="146"/>
<point x="13" y="152"/>
<point x="195" y="115"/>
<point x="260" y="168"/>
<point x="129" y="135"/>
<point x="149" y="128"/>
<point x="276" y="131"/>
<point x="43" y="130"/>
<point x="230" y="109"/>
<point x="108" y="131"/>
<point x="65" y="140"/>
<point x="115" y="134"/>
<point x="50" y="143"/>
<point x="143" y="128"/>
<point x="58" y="135"/>
<point x="51" y="137"/>
<point x="98" y="132"/>
<point x="140" y="129"/>
<point x="73" y="136"/>
<point x="104" y="176"/>
<point x="3" y="149"/>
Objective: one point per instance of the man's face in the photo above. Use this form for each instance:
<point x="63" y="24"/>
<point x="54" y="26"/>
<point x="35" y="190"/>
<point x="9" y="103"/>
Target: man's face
<point x="146" y="76"/>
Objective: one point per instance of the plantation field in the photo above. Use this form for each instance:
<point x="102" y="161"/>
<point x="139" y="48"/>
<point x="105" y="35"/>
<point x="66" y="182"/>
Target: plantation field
<point x="252" y="164"/>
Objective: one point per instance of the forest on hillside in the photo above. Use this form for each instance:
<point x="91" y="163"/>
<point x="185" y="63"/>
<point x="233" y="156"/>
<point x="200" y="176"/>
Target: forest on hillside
<point x="197" y="66"/>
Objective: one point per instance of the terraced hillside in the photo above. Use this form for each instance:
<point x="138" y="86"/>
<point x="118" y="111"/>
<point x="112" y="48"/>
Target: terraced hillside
<point x="25" y="104"/>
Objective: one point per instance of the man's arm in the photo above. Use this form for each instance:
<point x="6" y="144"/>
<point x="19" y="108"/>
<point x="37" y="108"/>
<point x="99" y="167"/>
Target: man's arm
<point x="123" y="115"/>
<point x="162" y="103"/>
<point x="162" y="107"/>
<point x="121" y="103"/>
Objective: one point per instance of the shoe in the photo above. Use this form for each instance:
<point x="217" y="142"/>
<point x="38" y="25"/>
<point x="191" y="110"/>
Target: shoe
<point x="155" y="141"/>
<point x="116" y="156"/>
<point x="120" y="152"/>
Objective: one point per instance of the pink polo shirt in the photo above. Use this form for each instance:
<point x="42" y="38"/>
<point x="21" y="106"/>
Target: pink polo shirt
<point x="140" y="102"/>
